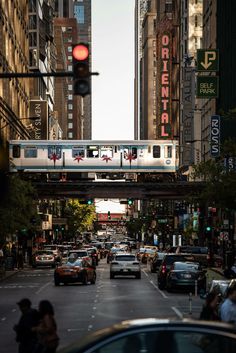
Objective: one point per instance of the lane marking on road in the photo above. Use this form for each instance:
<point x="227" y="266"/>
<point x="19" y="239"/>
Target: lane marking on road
<point x="155" y="286"/>
<point x="3" y="318"/>
<point x="13" y="310"/>
<point x="93" y="316"/>
<point x="97" y="295"/>
<point x="94" y="308"/>
<point x="90" y="327"/>
<point x="95" y="301"/>
<point x="75" y="329"/>
<point x="43" y="287"/>
<point x="178" y="313"/>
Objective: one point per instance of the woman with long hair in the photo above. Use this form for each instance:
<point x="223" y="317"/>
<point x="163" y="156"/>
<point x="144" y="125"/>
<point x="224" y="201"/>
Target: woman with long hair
<point x="48" y="339"/>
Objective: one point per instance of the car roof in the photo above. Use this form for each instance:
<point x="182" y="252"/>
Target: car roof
<point x="96" y="339"/>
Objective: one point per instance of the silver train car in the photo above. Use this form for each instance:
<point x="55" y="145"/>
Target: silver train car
<point x="73" y="156"/>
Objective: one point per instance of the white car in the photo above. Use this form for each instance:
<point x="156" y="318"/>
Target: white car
<point x="125" y="264"/>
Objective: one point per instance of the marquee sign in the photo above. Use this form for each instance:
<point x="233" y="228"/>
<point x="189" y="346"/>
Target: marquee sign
<point x="164" y="86"/>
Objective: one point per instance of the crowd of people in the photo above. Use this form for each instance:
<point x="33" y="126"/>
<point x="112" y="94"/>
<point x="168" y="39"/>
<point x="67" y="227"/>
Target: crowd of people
<point x="215" y="309"/>
<point x="36" y="331"/>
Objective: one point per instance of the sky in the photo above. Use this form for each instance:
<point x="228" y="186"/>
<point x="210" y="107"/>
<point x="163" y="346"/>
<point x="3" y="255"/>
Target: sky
<point x="113" y="58"/>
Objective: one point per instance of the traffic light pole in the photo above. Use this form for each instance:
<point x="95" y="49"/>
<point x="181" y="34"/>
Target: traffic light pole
<point x="40" y="74"/>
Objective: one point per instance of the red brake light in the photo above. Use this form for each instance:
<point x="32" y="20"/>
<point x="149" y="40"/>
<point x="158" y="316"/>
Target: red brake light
<point x="163" y="269"/>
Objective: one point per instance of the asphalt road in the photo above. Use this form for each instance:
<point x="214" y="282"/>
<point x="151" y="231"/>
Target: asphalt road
<point x="80" y="309"/>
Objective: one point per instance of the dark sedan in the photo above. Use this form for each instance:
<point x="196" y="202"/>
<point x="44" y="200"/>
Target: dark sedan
<point x="80" y="270"/>
<point x="186" y="275"/>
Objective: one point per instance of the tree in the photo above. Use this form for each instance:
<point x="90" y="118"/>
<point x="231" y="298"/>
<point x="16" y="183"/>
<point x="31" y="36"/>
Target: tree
<point x="79" y="217"/>
<point x="220" y="186"/>
<point x="18" y="206"/>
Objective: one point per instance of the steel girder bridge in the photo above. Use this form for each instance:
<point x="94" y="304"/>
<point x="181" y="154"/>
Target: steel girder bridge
<point x="119" y="190"/>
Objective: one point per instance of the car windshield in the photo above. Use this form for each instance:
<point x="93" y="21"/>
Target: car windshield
<point x="73" y="262"/>
<point x="51" y="247"/>
<point x="170" y="259"/>
<point x="78" y="254"/>
<point x="186" y="266"/>
<point x="125" y="258"/>
<point x="44" y="252"/>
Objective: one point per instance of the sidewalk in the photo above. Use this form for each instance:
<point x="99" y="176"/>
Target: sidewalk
<point x="10" y="273"/>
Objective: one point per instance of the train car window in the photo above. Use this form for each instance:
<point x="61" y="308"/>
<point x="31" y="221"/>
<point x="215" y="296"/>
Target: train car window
<point x="134" y="152"/>
<point x="168" y="151"/>
<point x="78" y="151"/>
<point x="16" y="151"/>
<point x="156" y="151"/>
<point x="126" y="152"/>
<point x="30" y="152"/>
<point x="106" y="151"/>
<point x="54" y="151"/>
<point x="92" y="151"/>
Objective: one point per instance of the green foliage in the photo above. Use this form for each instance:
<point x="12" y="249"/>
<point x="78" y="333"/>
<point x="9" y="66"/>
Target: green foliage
<point x="18" y="206"/>
<point x="80" y="217"/>
<point x="220" y="188"/>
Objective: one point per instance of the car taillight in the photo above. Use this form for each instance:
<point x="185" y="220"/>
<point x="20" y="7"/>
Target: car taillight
<point x="163" y="269"/>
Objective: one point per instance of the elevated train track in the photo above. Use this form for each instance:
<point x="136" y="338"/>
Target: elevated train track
<point x="135" y="190"/>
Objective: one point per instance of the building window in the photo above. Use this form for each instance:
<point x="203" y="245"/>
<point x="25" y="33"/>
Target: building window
<point x="69" y="49"/>
<point x="69" y="67"/>
<point x="69" y="57"/>
<point x="195" y="21"/>
<point x="70" y="106"/>
<point x="70" y="96"/>
<point x="70" y="87"/>
<point x="70" y="125"/>
<point x="70" y="135"/>
<point x="70" y="116"/>
<point x="79" y="13"/>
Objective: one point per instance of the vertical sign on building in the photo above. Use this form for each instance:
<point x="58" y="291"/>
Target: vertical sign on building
<point x="164" y="85"/>
<point x="39" y="130"/>
<point x="215" y="135"/>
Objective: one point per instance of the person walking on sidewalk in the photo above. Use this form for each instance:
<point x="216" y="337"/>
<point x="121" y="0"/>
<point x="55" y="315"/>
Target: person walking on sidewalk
<point x="24" y="335"/>
<point x="211" y="307"/>
<point x="228" y="308"/>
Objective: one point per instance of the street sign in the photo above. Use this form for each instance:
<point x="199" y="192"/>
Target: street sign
<point x="207" y="86"/>
<point x="215" y="135"/>
<point x="207" y="60"/>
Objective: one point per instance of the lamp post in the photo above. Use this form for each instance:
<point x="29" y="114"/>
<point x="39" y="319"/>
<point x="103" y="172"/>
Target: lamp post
<point x="201" y="151"/>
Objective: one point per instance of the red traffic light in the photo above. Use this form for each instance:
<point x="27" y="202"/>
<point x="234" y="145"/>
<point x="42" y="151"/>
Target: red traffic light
<point x="80" y="52"/>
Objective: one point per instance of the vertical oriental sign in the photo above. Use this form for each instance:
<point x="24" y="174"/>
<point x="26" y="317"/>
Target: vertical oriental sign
<point x="164" y="86"/>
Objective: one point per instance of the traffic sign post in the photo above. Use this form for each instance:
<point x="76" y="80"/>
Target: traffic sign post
<point x="207" y="86"/>
<point x="207" y="60"/>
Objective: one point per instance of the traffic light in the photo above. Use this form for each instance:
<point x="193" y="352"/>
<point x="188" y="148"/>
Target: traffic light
<point x="130" y="202"/>
<point x="208" y="228"/>
<point x="81" y="71"/>
<point x="86" y="202"/>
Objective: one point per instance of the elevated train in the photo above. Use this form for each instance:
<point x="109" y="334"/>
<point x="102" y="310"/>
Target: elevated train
<point x="156" y="158"/>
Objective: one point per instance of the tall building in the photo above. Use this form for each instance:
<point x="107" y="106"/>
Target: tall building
<point x="67" y="105"/>
<point x="149" y="72"/>
<point x="80" y="126"/>
<point x="41" y="60"/>
<point x="14" y="57"/>
<point x="140" y="10"/>
<point x="219" y="32"/>
<point x="190" y="113"/>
